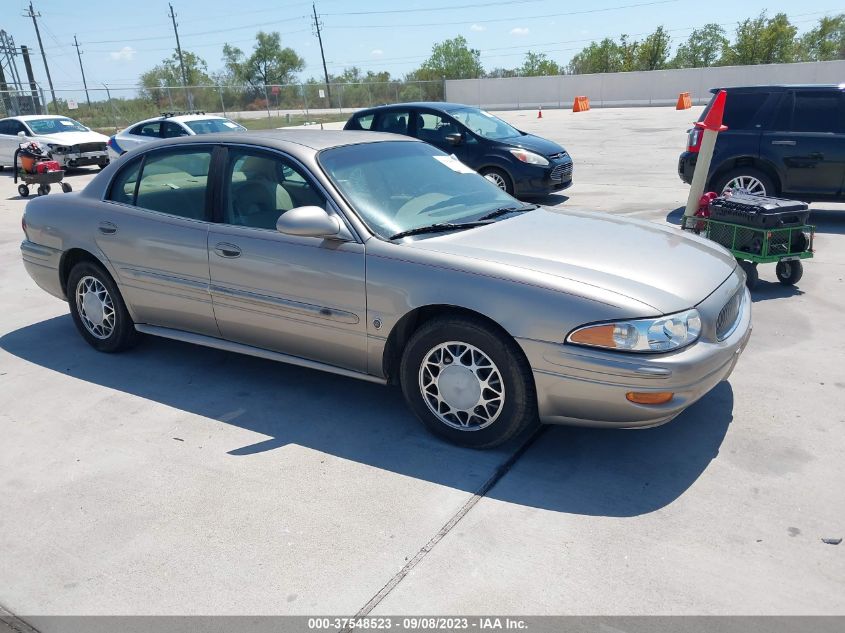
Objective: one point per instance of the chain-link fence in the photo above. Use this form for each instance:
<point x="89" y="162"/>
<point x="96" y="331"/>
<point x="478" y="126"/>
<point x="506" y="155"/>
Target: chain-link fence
<point x="109" y="109"/>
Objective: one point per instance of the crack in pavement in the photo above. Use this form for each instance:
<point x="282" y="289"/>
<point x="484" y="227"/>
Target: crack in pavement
<point x="479" y="494"/>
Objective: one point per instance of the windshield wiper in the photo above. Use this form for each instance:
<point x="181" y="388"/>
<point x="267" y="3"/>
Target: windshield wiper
<point x="503" y="210"/>
<point x="437" y="228"/>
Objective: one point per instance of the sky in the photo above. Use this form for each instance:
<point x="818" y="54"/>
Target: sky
<point x="120" y="39"/>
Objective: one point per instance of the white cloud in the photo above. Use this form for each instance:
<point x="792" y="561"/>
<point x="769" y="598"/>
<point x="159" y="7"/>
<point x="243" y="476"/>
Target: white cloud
<point x="125" y="54"/>
<point x="376" y="52"/>
<point x="519" y="30"/>
<point x="478" y="27"/>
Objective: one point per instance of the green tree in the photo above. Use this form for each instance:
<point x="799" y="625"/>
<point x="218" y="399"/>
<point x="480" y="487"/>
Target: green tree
<point x="162" y="84"/>
<point x="451" y="59"/>
<point x="498" y="73"/>
<point x="653" y="52"/>
<point x="704" y="47"/>
<point x="536" y="64"/>
<point x="598" y="57"/>
<point x="825" y="42"/>
<point x="269" y="64"/>
<point x="763" y="40"/>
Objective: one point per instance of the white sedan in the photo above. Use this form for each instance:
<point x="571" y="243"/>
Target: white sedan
<point x="67" y="141"/>
<point x="169" y="126"/>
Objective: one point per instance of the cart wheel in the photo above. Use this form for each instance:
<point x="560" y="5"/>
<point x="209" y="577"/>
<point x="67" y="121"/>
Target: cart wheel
<point x="751" y="275"/>
<point x="43" y="190"/>
<point x="789" y="273"/>
<point x="66" y="187"/>
<point x="23" y="190"/>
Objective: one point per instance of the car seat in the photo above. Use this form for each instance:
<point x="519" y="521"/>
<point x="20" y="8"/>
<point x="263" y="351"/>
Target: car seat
<point x="259" y="199"/>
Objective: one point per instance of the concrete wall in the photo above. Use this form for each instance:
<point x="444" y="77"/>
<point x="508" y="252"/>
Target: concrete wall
<point x="658" y="87"/>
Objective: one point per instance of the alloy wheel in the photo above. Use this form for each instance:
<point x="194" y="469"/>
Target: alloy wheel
<point x="749" y="183"/>
<point x="497" y="180"/>
<point x="462" y="386"/>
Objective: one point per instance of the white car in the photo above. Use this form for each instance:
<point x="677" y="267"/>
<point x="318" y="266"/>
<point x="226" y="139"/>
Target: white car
<point x="169" y="125"/>
<point x="68" y="141"/>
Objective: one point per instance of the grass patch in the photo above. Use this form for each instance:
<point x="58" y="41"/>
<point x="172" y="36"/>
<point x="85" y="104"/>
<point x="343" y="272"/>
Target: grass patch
<point x="272" y="122"/>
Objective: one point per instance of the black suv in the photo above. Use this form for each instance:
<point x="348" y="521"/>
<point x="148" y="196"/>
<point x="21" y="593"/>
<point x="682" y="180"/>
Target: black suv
<point x="522" y="164"/>
<point x="781" y="140"/>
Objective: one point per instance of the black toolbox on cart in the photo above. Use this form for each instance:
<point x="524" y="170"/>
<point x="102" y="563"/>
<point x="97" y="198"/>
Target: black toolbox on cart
<point x="759" y="212"/>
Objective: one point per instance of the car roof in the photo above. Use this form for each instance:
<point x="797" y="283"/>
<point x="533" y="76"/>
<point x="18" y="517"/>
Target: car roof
<point x="313" y="139"/>
<point x="780" y="87"/>
<point x="443" y="106"/>
<point x="33" y="117"/>
<point x="180" y="118"/>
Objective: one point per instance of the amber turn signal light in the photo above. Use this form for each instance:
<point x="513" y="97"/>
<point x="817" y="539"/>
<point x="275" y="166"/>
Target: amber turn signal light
<point x="660" y="397"/>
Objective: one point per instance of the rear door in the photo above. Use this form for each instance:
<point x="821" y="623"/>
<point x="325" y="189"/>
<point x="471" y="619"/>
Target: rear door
<point x="394" y="121"/>
<point x="154" y="231"/>
<point x="807" y="141"/>
<point x="140" y="134"/>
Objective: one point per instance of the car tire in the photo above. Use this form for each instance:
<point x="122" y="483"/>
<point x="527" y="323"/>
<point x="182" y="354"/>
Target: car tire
<point x="756" y="181"/>
<point x="498" y="177"/>
<point x="98" y="309"/>
<point x="751" y="276"/>
<point x="488" y="366"/>
<point x="789" y="273"/>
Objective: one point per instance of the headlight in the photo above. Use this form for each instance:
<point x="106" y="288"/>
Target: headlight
<point x="529" y="157"/>
<point x="58" y="149"/>
<point x="662" y="334"/>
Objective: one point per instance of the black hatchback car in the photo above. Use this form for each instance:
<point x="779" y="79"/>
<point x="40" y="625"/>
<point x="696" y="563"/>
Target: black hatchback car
<point x="781" y="140"/>
<point x="522" y="164"/>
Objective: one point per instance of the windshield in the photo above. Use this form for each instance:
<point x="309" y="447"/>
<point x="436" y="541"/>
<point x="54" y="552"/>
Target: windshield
<point x="55" y="125"/>
<point x="485" y="124"/>
<point x="398" y="186"/>
<point x="209" y="126"/>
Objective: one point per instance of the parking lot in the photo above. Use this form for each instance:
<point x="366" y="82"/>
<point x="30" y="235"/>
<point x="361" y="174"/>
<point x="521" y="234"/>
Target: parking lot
<point x="177" y="479"/>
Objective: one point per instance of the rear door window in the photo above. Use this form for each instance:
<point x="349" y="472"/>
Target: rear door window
<point x="151" y="129"/>
<point x="175" y="182"/>
<point x="394" y="121"/>
<point x="741" y="109"/>
<point x="817" y="111"/>
<point x="364" y="122"/>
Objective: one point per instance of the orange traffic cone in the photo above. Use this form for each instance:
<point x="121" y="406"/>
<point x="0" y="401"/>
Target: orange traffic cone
<point x="540" y="113"/>
<point x="684" y="101"/>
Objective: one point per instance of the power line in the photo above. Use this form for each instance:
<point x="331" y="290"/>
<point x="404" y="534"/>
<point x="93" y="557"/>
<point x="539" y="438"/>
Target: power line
<point x="510" y="19"/>
<point x="452" y="7"/>
<point x="32" y="14"/>
<point x="81" y="69"/>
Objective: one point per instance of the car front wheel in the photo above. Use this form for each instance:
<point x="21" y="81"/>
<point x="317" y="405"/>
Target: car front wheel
<point x="98" y="310"/>
<point x="468" y="383"/>
<point x="499" y="178"/>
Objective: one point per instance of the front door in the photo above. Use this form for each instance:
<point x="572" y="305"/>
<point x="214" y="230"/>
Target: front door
<point x="9" y="140"/>
<point x="155" y="235"/>
<point x="807" y="141"/>
<point x="434" y="128"/>
<point x="302" y="296"/>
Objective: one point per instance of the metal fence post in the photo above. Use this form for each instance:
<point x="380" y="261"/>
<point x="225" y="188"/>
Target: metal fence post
<point x="222" y="103"/>
<point x="111" y="103"/>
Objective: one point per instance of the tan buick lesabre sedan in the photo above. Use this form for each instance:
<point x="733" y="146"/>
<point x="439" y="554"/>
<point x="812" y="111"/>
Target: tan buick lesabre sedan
<point x="380" y="257"/>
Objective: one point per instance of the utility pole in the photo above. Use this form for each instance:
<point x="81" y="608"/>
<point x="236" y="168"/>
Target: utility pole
<point x="317" y="26"/>
<point x="32" y="14"/>
<point x="188" y="97"/>
<point x="82" y="70"/>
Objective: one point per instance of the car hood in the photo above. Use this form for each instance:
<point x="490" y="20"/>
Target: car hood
<point x="72" y="138"/>
<point x="659" y="266"/>
<point x="533" y="143"/>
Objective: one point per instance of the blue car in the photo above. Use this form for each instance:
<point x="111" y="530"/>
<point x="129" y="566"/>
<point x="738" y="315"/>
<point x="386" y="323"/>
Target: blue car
<point x="522" y="164"/>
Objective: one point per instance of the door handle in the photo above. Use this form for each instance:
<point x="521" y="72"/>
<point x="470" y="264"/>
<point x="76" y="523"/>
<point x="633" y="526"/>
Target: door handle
<point x="224" y="249"/>
<point x="784" y="142"/>
<point x="107" y="228"/>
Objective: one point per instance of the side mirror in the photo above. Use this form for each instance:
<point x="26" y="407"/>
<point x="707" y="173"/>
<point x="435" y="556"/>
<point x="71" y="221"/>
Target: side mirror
<point x="454" y="138"/>
<point x="22" y="134"/>
<point x="309" y="222"/>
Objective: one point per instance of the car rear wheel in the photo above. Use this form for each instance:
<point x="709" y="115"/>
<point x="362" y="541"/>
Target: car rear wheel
<point x="499" y="178"/>
<point x="98" y="310"/>
<point x="752" y="180"/>
<point x="468" y="383"/>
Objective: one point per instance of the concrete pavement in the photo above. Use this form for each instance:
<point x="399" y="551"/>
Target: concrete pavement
<point x="181" y="480"/>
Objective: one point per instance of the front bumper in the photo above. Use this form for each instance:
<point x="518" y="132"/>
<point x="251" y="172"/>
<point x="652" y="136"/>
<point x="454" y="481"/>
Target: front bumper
<point x="81" y="159"/>
<point x="587" y="387"/>
<point x="535" y="180"/>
